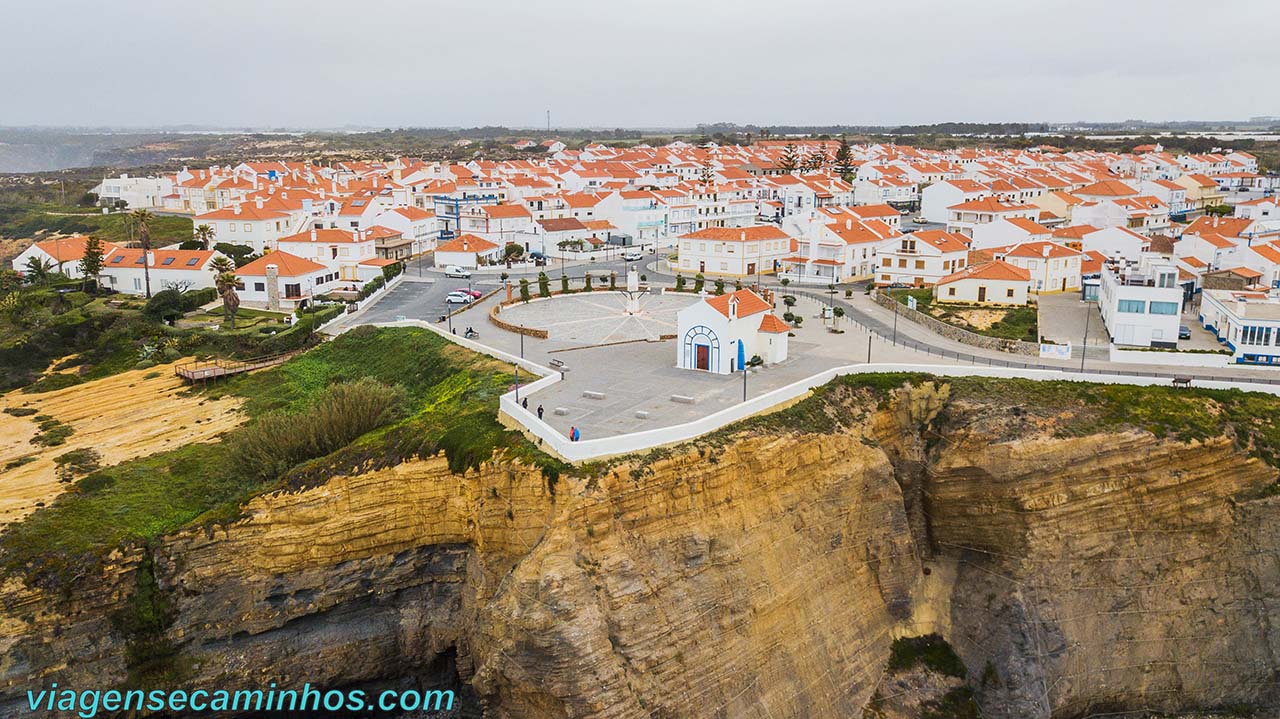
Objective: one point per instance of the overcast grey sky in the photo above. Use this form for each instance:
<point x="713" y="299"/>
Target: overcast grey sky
<point x="318" y="63"/>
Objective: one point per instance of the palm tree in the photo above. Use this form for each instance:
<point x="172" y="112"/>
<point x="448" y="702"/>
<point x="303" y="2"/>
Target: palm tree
<point x="143" y="220"/>
<point x="204" y="235"/>
<point x="225" y="280"/>
<point x="38" y="270"/>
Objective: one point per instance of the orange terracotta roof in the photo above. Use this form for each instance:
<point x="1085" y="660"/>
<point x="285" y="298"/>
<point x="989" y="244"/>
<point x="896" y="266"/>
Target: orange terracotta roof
<point x="466" y="243"/>
<point x="288" y="265"/>
<point x="749" y="303"/>
<point x="771" y="324"/>
<point x="993" y="270"/>
<point x="738" y="234"/>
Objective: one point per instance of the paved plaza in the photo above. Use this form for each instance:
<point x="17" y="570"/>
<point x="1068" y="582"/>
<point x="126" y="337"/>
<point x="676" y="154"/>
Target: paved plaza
<point x="600" y="317"/>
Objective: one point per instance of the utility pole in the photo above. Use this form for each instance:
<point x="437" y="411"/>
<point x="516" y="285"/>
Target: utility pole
<point x="868" y="346"/>
<point x="744" y="381"/>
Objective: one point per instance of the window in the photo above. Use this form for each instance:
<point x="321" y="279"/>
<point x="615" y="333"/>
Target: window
<point x="193" y="262"/>
<point x="1008" y="292"/>
<point x="1133" y="306"/>
<point x="1255" y="335"/>
<point x="1164" y="308"/>
<point x="167" y="261"/>
<point x="231" y="226"/>
<point x="919" y="264"/>
<point x="248" y="227"/>
<point x="259" y="287"/>
<point x="951" y="292"/>
<point x="902" y="263"/>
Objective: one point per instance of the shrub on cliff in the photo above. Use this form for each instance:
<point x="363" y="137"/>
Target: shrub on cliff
<point x="279" y="440"/>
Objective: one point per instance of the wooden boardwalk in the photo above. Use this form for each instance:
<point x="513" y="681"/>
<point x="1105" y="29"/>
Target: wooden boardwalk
<point x="205" y="370"/>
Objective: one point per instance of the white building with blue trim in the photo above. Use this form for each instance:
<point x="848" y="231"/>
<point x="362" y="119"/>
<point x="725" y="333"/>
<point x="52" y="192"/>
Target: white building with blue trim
<point x="1246" y="322"/>
<point x="720" y="333"/>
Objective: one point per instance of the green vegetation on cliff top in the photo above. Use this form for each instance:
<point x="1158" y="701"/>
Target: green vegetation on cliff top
<point x="450" y="400"/>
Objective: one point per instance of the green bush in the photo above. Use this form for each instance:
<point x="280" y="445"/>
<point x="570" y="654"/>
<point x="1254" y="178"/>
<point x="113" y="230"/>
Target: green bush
<point x="931" y="651"/>
<point x="281" y="439"/>
<point x="20" y="411"/>
<point x="52" y="432"/>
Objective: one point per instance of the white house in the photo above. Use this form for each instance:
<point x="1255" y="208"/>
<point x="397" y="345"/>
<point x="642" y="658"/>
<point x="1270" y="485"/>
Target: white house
<point x="61" y="254"/>
<point x="1141" y="304"/>
<point x="281" y="280"/>
<point x="990" y="283"/>
<point x="1006" y="231"/>
<point x="920" y="258"/>
<point x="247" y="224"/>
<point x="936" y="199"/>
<point x="136" y="192"/>
<point x="720" y="333"/>
<point x="1246" y="322"/>
<point x="734" y="251"/>
<point x="123" y="270"/>
<point x="1053" y="267"/>
<point x="964" y="217"/>
<point x="342" y="250"/>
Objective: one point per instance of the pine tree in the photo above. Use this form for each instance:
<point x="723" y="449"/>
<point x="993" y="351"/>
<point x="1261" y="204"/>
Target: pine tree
<point x="790" y="160"/>
<point x="844" y="161"/>
<point x="706" y="176"/>
<point x="91" y="262"/>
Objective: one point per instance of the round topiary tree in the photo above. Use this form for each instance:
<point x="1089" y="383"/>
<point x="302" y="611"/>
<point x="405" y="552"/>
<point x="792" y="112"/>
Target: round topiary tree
<point x="544" y="285"/>
<point x="524" y="290"/>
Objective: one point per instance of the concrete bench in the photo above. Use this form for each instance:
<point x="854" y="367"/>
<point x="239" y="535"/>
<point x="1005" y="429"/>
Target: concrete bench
<point x="1181" y="381"/>
<point x="560" y="411"/>
<point x="593" y="395"/>
<point x="558" y="364"/>
<point x="641" y="414"/>
<point x="682" y="399"/>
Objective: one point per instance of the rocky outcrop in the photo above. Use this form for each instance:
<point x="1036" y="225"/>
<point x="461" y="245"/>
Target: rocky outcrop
<point x="758" y="574"/>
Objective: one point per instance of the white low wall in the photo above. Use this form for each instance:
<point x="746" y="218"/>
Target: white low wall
<point x="1172" y="359"/>
<point x="602" y="447"/>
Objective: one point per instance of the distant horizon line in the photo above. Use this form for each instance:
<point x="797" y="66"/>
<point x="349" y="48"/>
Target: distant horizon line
<point x="700" y="127"/>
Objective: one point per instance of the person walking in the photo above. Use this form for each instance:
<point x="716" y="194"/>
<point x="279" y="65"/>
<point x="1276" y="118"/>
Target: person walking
<point x="577" y="434"/>
<point x="573" y="434"/>
<point x="525" y="403"/>
<point x="539" y="411"/>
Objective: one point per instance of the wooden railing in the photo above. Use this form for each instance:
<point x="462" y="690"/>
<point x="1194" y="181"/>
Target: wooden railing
<point x="204" y="370"/>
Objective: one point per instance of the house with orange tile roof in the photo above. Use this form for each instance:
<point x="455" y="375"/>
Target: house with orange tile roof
<point x="920" y="258"/>
<point x="1053" y="267"/>
<point x="965" y="216"/>
<point x="248" y="223"/>
<point x="734" y="251"/>
<point x="1006" y="231"/>
<point x="61" y="254"/>
<point x="990" y="283"/>
<point x="466" y="251"/>
<point x="123" y="270"/>
<point x="722" y="333"/>
<point x="281" y="280"/>
<point x="339" y="250"/>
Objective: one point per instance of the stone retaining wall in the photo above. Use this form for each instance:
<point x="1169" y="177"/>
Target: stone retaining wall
<point x="958" y="334"/>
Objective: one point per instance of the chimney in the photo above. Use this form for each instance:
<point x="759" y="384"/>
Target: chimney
<point x="1046" y="249"/>
<point x="313" y="234"/>
<point x="743" y="235"/>
<point x="733" y="307"/>
<point x="273" y="287"/>
<point x="259" y="203"/>
<point x="236" y="208"/>
<point x="848" y="223"/>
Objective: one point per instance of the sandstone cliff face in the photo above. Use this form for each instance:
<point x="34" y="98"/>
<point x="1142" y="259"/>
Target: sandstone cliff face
<point x="763" y="574"/>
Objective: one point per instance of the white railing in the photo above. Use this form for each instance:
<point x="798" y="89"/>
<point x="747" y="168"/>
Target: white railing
<point x="550" y="438"/>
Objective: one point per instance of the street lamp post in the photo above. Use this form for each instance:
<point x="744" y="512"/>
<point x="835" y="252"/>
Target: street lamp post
<point x="895" y="321"/>
<point x="1084" y="345"/>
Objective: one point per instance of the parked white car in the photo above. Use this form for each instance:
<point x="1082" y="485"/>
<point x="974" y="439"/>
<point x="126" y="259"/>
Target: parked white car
<point x="459" y="297"/>
<point x="631" y="256"/>
<point x="456" y="271"/>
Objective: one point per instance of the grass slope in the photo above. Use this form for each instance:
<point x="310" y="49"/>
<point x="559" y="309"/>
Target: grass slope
<point x="451" y="400"/>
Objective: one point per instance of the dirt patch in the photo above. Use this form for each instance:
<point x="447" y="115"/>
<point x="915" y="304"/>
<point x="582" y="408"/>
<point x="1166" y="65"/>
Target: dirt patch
<point x="980" y="319"/>
<point x="122" y="417"/>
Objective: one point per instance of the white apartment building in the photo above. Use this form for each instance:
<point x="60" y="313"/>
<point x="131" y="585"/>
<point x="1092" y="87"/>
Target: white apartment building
<point x="136" y="192"/>
<point x="734" y="251"/>
<point x="1246" y="322"/>
<point x="1141" y="304"/>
